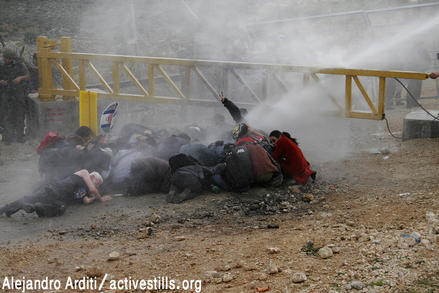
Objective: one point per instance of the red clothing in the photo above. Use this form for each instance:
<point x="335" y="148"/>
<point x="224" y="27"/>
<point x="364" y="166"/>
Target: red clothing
<point x="291" y="160"/>
<point x="249" y="139"/>
<point x="262" y="164"/>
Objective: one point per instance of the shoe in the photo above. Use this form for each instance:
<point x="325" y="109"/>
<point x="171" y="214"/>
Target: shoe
<point x="9" y="213"/>
<point x="49" y="210"/>
<point x="313" y="176"/>
<point x="11" y="208"/>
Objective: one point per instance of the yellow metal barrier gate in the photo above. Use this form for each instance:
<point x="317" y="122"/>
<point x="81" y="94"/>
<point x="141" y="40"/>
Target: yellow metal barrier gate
<point x="88" y="109"/>
<point x="64" y="59"/>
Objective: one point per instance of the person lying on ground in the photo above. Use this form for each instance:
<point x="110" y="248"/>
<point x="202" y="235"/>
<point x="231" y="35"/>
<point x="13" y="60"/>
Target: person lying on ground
<point x="189" y="178"/>
<point x="60" y="160"/>
<point x="238" y="114"/>
<point x="148" y="175"/>
<point x="82" y="136"/>
<point x="171" y="145"/>
<point x="204" y="155"/>
<point x="129" y="132"/>
<point x="118" y="178"/>
<point x="290" y="157"/>
<point x="50" y="200"/>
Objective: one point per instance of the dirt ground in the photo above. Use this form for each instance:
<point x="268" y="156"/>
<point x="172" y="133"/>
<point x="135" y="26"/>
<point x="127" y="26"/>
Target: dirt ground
<point x="266" y="239"/>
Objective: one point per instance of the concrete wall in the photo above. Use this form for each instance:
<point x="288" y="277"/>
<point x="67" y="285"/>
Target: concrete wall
<point x="59" y="116"/>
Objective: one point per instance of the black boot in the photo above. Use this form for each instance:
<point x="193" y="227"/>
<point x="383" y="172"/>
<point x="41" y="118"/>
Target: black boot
<point x="11" y="208"/>
<point x="49" y="210"/>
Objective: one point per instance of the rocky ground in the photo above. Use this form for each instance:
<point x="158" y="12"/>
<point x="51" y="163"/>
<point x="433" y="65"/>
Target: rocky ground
<point x="370" y="223"/>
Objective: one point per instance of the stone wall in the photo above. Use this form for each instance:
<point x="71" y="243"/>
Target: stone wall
<point x="54" y="18"/>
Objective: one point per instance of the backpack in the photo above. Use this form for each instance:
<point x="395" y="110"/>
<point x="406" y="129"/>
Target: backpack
<point x="238" y="172"/>
<point x="265" y="168"/>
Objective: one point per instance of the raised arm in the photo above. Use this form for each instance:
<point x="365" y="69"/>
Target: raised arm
<point x="232" y="108"/>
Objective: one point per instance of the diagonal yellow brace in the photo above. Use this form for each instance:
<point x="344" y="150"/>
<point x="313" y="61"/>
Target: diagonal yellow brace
<point x="171" y="83"/>
<point x="241" y="80"/>
<point x="333" y="99"/>
<point x="366" y="97"/>
<point x="151" y="79"/>
<point x="281" y="83"/>
<point x="65" y="73"/>
<point x="135" y="80"/>
<point x="101" y="78"/>
<point x="204" y="79"/>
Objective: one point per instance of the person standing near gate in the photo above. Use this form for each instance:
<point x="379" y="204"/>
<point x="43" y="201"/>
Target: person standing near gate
<point x="13" y="87"/>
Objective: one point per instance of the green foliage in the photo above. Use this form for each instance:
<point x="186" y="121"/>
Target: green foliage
<point x="378" y="283"/>
<point x="309" y="249"/>
<point x="431" y="282"/>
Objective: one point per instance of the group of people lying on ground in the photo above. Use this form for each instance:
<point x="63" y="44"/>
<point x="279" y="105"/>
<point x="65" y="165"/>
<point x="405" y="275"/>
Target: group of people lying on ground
<point x="142" y="161"/>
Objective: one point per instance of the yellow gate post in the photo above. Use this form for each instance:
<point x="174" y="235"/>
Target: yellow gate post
<point x="44" y="69"/>
<point x="67" y="63"/>
<point x="88" y="110"/>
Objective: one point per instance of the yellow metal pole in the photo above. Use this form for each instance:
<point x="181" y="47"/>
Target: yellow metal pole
<point x="382" y="95"/>
<point x="187" y="82"/>
<point x="67" y="63"/>
<point x="84" y="109"/>
<point x="348" y="95"/>
<point x="88" y="110"/>
<point x="44" y="69"/>
<point x="94" y="112"/>
<point x="82" y="76"/>
<point x="151" y="79"/>
<point x="116" y="87"/>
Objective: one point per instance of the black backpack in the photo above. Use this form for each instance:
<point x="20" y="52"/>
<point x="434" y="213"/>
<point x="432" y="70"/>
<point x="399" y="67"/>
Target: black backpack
<point x="238" y="172"/>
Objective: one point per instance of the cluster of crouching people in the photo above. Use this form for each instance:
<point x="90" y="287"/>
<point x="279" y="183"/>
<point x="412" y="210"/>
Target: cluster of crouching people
<point x="81" y="167"/>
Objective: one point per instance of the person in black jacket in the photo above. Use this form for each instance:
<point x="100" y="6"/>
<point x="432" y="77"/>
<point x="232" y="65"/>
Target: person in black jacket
<point x="237" y="113"/>
<point x="50" y="199"/>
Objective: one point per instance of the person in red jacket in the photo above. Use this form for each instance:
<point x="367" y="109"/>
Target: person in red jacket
<point x="290" y="157"/>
